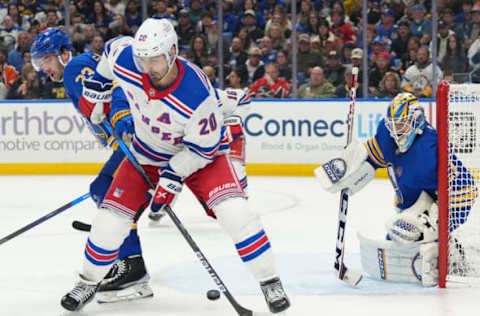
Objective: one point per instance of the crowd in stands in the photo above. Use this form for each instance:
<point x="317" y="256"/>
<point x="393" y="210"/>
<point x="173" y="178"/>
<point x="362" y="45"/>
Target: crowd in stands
<point x="256" y="36"/>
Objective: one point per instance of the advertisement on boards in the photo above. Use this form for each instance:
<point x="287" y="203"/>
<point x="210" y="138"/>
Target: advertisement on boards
<point x="278" y="132"/>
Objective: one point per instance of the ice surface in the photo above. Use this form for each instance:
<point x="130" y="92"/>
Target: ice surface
<point x="39" y="266"/>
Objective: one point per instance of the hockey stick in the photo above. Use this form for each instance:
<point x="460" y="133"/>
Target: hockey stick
<point x="79" y="225"/>
<point x="44" y="218"/>
<point x="349" y="276"/>
<point x="241" y="311"/>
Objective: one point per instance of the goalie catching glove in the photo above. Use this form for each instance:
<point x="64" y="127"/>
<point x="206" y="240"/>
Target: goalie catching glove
<point x="349" y="171"/>
<point x="417" y="223"/>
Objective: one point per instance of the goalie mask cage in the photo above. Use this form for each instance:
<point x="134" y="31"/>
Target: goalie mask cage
<point x="458" y="113"/>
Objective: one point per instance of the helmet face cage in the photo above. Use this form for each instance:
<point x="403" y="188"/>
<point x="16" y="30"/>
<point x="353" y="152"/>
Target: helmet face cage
<point x="404" y="120"/>
<point x="50" y="41"/>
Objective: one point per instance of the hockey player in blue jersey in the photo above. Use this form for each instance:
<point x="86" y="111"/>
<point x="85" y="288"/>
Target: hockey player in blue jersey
<point x="51" y="52"/>
<point x="406" y="144"/>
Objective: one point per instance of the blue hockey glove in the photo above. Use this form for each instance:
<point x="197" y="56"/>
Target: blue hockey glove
<point x="169" y="185"/>
<point x="122" y="123"/>
<point x="99" y="187"/>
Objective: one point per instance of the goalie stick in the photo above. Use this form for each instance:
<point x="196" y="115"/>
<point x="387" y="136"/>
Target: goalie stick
<point x="241" y="311"/>
<point x="44" y="218"/>
<point x="349" y="276"/>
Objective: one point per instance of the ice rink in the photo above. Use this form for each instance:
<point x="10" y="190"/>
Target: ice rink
<point x="39" y="266"/>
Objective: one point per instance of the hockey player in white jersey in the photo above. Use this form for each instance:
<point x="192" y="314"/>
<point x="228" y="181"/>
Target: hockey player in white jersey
<point x="178" y="139"/>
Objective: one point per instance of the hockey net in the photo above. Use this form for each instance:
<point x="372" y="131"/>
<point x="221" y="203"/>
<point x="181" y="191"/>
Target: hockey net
<point x="458" y="114"/>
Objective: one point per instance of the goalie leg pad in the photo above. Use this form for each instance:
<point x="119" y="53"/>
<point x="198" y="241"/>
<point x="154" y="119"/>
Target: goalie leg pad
<point x="109" y="230"/>
<point x="244" y="227"/>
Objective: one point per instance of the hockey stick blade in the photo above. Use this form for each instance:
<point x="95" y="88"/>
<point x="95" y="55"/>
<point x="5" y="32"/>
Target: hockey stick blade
<point x="81" y="226"/>
<point x="351" y="277"/>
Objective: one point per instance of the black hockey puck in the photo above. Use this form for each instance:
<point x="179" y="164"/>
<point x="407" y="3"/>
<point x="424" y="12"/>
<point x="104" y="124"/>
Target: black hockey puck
<point x="213" y="295"/>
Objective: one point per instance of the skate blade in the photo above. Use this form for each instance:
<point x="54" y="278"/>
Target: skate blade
<point x="134" y="292"/>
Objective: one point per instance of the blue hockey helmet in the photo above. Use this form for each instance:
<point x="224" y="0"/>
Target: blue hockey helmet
<point x="404" y="120"/>
<point x="50" y="41"/>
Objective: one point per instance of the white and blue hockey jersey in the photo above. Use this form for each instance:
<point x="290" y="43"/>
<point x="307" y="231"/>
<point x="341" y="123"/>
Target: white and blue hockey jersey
<point x="180" y="125"/>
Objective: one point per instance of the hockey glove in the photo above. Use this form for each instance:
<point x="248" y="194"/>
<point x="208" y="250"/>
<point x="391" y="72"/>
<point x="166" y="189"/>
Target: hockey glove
<point x="169" y="185"/>
<point x="234" y="128"/>
<point x="95" y="100"/>
<point x="122" y="123"/>
<point x="99" y="187"/>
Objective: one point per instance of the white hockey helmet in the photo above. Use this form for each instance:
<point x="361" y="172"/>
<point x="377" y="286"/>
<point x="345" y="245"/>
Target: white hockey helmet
<point x="155" y="37"/>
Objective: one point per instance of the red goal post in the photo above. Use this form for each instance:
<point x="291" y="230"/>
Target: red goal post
<point x="457" y="123"/>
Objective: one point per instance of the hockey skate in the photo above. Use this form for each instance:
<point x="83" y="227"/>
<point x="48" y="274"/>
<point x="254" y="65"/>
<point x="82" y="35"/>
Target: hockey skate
<point x="275" y="296"/>
<point x="80" y="295"/>
<point x="126" y="280"/>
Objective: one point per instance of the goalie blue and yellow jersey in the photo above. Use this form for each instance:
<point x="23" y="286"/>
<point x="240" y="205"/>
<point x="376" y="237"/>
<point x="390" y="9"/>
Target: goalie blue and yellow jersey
<point x="416" y="170"/>
<point x="79" y="68"/>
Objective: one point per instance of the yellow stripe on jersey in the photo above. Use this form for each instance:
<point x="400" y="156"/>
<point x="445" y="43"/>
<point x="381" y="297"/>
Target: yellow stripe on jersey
<point x="375" y="153"/>
<point x="118" y="116"/>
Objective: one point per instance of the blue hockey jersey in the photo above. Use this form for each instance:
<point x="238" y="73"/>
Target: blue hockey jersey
<point x="416" y="171"/>
<point x="82" y="67"/>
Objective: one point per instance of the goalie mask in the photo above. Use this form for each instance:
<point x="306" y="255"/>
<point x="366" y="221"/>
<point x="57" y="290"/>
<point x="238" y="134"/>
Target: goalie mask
<point x="404" y="120"/>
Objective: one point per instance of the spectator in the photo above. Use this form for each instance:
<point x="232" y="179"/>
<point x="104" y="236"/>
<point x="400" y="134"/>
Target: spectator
<point x="267" y="7"/>
<point x="343" y="91"/>
<point x="205" y="21"/>
<point x="161" y="12"/>
<point x="270" y="85"/>
<point x="20" y="19"/>
<point x="101" y="19"/>
<point x="389" y="86"/>
<point x="357" y="61"/>
<point x="378" y="48"/>
<point x="455" y="61"/>
<point x="235" y="55"/>
<point x="23" y="45"/>
<point x="318" y="87"/>
<point x="328" y="40"/>
<point x="442" y="39"/>
<point x="250" y="5"/>
<point x="419" y="26"/>
<point x="303" y="16"/>
<point x="8" y="74"/>
<point x="210" y="72"/>
<point x="345" y="31"/>
<point x="26" y="57"/>
<point x="464" y="17"/>
<point x="199" y="50"/>
<point x="418" y="77"/>
<point x="52" y="19"/>
<point x="313" y="23"/>
<point x="246" y="40"/>
<point x="234" y="81"/>
<point x="116" y="7"/>
<point x="306" y="58"/>
<point x="387" y="28"/>
<point x="196" y="11"/>
<point x="399" y="44"/>
<point x="230" y="22"/>
<point x="133" y="15"/>
<point x="27" y="86"/>
<point x="253" y="69"/>
<point x="410" y="58"/>
<point x="268" y="53"/>
<point x="283" y="65"/>
<point x="346" y="55"/>
<point x="249" y="24"/>
<point x="185" y="29"/>
<point x="9" y="33"/>
<point x="376" y="73"/>
<point x="334" y="70"/>
<point x="277" y="36"/>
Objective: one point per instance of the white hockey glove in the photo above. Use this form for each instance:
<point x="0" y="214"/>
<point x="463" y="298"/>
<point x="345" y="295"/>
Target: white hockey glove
<point x="417" y="223"/>
<point x="351" y="170"/>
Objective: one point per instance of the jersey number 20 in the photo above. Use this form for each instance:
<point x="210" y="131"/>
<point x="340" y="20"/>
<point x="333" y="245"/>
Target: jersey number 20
<point x="208" y="125"/>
